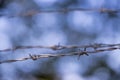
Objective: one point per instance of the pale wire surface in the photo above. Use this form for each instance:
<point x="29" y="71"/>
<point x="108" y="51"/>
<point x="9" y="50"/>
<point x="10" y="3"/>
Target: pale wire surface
<point x="97" y="48"/>
<point x="34" y="12"/>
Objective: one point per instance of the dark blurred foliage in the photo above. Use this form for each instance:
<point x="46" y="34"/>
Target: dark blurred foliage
<point x="2" y="2"/>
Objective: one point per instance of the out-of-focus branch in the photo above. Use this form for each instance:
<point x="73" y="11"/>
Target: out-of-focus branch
<point x="97" y="48"/>
<point x="34" y="12"/>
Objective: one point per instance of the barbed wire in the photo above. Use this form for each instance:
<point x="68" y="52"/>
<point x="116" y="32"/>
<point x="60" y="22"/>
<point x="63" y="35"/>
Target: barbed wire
<point x="59" y="47"/>
<point x="65" y="10"/>
<point x="97" y="48"/>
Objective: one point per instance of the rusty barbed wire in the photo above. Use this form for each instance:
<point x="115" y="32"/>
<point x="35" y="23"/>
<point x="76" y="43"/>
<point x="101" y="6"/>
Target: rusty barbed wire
<point x="65" y="10"/>
<point x="97" y="48"/>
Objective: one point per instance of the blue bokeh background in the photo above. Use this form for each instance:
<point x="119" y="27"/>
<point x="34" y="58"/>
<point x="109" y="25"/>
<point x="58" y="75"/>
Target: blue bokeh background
<point x="69" y="28"/>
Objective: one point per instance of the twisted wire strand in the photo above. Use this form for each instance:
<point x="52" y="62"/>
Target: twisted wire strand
<point x="59" y="47"/>
<point x="65" y="10"/>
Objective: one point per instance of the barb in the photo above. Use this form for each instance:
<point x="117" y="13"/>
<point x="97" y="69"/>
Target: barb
<point x="100" y="48"/>
<point x="34" y="12"/>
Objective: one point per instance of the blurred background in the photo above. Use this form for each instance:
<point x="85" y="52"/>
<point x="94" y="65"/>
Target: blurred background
<point x="66" y="28"/>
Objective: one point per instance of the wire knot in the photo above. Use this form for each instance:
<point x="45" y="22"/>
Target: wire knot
<point x="33" y="57"/>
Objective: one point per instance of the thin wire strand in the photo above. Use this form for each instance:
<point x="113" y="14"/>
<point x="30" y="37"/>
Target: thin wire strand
<point x="59" y="47"/>
<point x="34" y="12"/>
